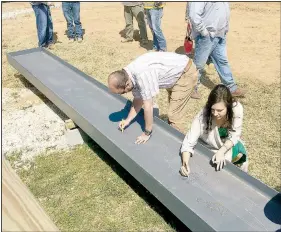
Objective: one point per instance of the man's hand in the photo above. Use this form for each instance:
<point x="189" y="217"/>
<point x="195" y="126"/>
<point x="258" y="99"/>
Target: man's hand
<point x="185" y="169"/>
<point x="219" y="160"/>
<point x="123" y="124"/>
<point x="142" y="139"/>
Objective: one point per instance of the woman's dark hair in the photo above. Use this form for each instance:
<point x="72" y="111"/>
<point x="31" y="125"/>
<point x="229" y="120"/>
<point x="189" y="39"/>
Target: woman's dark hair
<point x="219" y="94"/>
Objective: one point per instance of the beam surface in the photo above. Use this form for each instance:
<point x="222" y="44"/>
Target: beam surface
<point x="230" y="200"/>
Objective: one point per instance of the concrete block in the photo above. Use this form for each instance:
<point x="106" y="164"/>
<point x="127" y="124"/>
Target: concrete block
<point x="76" y="137"/>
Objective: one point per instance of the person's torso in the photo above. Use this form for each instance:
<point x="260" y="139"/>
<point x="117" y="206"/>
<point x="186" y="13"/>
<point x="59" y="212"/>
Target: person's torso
<point x="212" y="137"/>
<point x="215" y="17"/>
<point x="151" y="5"/>
<point x="167" y="66"/>
<point x="132" y="3"/>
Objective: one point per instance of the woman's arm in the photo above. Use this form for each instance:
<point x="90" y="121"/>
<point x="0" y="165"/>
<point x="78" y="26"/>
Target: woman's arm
<point x="235" y="135"/>
<point x="193" y="135"/>
<point x="189" y="143"/>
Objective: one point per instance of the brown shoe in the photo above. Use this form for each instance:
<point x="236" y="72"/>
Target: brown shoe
<point x="195" y="95"/>
<point x="238" y="93"/>
<point x="144" y="42"/>
<point x="125" y="40"/>
<point x="51" y="46"/>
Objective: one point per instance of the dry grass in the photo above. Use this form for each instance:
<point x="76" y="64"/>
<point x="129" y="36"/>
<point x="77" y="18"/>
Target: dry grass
<point x="254" y="53"/>
<point x="86" y="190"/>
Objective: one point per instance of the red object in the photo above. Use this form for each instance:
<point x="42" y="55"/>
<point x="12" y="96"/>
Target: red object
<point x="188" y="43"/>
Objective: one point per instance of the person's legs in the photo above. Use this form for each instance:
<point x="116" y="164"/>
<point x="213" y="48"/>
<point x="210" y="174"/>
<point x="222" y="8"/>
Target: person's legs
<point x="219" y="58"/>
<point x="179" y="96"/>
<point x="156" y="15"/>
<point x="67" y="12"/>
<point x="76" y="18"/>
<point x="128" y="15"/>
<point x="138" y="12"/>
<point x="155" y="45"/>
<point x="203" y="48"/>
<point x="50" y="34"/>
<point x="41" y="23"/>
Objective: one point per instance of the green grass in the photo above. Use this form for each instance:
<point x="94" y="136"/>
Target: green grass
<point x="86" y="190"/>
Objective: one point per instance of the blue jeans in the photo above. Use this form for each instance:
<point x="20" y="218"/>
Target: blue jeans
<point x="44" y="24"/>
<point x="154" y="21"/>
<point x="215" y="48"/>
<point x="71" y="11"/>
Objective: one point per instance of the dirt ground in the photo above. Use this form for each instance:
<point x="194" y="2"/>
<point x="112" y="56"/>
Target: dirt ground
<point x="253" y="45"/>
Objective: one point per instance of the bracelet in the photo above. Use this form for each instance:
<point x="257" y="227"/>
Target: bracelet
<point x="147" y="132"/>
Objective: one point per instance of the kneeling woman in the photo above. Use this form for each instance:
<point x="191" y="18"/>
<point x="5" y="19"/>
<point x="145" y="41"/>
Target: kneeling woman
<point x="219" y="125"/>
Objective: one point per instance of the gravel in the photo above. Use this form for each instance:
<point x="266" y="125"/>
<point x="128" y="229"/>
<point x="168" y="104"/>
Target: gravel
<point x="29" y="125"/>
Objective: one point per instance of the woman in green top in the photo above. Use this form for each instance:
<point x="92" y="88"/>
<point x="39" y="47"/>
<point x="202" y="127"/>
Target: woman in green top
<point x="219" y="125"/>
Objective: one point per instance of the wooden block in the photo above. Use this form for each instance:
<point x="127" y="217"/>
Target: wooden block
<point x="20" y="210"/>
<point x="69" y="124"/>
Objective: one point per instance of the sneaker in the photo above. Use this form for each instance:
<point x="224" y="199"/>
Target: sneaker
<point x="144" y="42"/>
<point x="80" y="39"/>
<point x="125" y="40"/>
<point x="50" y="46"/>
<point x="71" y="40"/>
<point x="238" y="93"/>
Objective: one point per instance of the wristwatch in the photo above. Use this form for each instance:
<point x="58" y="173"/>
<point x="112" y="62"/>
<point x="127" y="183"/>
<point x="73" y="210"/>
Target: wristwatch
<point x="147" y="132"/>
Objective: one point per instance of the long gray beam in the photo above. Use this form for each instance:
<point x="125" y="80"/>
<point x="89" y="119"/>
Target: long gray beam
<point x="230" y="200"/>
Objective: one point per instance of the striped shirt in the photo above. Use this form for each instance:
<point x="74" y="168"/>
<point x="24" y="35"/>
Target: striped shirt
<point x="155" y="70"/>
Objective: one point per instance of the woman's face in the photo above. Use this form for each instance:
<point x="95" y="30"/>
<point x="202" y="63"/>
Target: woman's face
<point x="219" y="110"/>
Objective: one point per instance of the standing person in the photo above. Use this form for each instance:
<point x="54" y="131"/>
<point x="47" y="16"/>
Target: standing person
<point x="210" y="23"/>
<point x="154" y="14"/>
<point x="44" y="23"/>
<point x="219" y="125"/>
<point x="71" y="12"/>
<point x="145" y="76"/>
<point x="134" y="9"/>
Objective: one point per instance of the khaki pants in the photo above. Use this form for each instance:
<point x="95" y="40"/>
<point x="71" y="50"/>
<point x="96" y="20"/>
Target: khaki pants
<point x="138" y="13"/>
<point x="178" y="97"/>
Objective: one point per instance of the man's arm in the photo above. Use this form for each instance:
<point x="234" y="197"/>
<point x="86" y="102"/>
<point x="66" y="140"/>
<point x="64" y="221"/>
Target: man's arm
<point x="135" y="109"/>
<point x="148" y="114"/>
<point x="195" y="12"/>
<point x="186" y="13"/>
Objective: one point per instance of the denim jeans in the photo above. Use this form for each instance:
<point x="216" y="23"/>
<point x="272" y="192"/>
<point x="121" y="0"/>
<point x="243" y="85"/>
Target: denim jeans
<point x="71" y="11"/>
<point x="44" y="24"/>
<point x="215" y="48"/>
<point x="154" y="21"/>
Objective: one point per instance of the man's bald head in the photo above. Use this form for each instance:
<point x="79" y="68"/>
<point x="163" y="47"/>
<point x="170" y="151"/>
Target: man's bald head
<point x="119" y="82"/>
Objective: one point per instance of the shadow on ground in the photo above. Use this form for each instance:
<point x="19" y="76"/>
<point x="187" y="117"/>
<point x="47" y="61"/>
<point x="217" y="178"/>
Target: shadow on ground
<point x="136" y="37"/>
<point x="153" y="202"/>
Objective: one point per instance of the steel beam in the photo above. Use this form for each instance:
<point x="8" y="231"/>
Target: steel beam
<point x="230" y="200"/>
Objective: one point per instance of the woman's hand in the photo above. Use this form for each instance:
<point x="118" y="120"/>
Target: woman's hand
<point x="219" y="160"/>
<point x="185" y="169"/>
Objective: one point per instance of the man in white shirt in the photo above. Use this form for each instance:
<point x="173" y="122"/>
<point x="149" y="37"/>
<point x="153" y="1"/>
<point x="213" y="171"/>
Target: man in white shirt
<point x="145" y="76"/>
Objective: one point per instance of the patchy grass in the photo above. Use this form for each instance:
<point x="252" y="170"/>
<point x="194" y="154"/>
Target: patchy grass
<point x="85" y="190"/>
